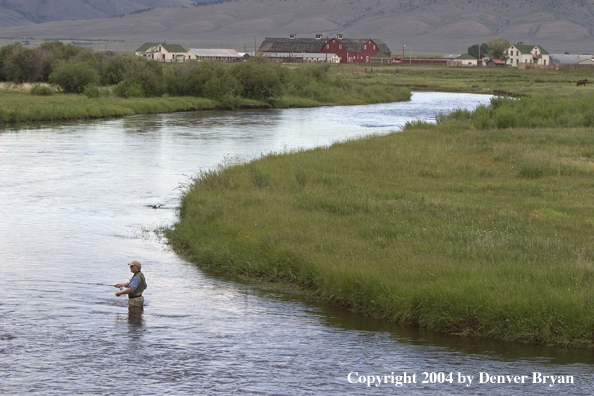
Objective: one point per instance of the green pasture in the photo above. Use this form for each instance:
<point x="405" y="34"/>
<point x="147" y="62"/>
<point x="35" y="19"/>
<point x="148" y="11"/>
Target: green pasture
<point x="483" y="80"/>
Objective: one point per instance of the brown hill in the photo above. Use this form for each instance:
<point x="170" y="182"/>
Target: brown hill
<point x="437" y="26"/>
<point x="19" y="12"/>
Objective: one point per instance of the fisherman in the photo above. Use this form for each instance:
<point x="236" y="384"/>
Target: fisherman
<point x="135" y="286"/>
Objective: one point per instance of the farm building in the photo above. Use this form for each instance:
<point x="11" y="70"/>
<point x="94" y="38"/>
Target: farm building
<point x="464" y="60"/>
<point x="521" y="53"/>
<point x="218" y="55"/>
<point x="568" y="59"/>
<point x="348" y="50"/>
<point x="495" y="63"/>
<point x="163" y="52"/>
<point x="299" y="57"/>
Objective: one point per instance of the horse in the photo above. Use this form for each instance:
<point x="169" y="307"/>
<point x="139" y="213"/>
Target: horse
<point x="582" y="82"/>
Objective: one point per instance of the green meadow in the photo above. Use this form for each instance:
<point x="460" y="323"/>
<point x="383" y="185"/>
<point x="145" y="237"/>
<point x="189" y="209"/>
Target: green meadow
<point x="482" y="80"/>
<point x="480" y="225"/>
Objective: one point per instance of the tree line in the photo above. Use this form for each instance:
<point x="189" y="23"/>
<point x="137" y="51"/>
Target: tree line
<point x="81" y="70"/>
<point x="494" y="48"/>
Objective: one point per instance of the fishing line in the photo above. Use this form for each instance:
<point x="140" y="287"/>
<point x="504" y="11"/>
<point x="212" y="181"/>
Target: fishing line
<point x="56" y="281"/>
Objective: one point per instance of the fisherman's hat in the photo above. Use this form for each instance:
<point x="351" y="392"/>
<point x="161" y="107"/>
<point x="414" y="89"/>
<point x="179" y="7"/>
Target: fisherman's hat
<point x="135" y="263"/>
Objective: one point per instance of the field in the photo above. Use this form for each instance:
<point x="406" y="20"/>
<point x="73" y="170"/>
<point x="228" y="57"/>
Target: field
<point x="480" y="80"/>
<point x="481" y="225"/>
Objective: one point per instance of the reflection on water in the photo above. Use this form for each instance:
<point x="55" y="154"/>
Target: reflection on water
<point x="76" y="205"/>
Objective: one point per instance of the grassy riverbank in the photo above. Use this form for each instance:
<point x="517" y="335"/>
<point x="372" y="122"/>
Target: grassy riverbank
<point x="460" y="227"/>
<point x="18" y="105"/>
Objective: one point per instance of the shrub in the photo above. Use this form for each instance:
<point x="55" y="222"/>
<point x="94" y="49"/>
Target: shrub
<point x="41" y="90"/>
<point x="129" y="89"/>
<point x="72" y="77"/>
<point x="260" y="80"/>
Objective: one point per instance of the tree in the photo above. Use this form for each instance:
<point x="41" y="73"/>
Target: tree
<point x="22" y="65"/>
<point x="261" y="79"/>
<point x="73" y="76"/>
<point x="476" y="50"/>
<point x="498" y="47"/>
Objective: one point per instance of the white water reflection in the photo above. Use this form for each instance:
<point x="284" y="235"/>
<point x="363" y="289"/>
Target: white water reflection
<point x="76" y="205"/>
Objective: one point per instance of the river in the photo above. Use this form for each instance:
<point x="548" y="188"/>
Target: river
<point x="76" y="205"/>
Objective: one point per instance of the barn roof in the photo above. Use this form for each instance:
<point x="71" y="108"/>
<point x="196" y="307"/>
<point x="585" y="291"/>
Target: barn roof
<point x="291" y="45"/>
<point x="466" y="56"/>
<point x="315" y="45"/>
<point x="356" y="45"/>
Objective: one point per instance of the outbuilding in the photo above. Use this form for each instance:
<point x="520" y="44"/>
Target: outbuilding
<point x="217" y="55"/>
<point x="495" y="63"/>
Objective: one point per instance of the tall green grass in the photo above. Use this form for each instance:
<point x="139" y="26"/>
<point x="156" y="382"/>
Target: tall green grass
<point x="17" y="107"/>
<point x="485" y="233"/>
<point x="532" y="112"/>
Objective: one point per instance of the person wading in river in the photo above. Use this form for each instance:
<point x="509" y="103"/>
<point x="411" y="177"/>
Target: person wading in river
<point x="135" y="286"/>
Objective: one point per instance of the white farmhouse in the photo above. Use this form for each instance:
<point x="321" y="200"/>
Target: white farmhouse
<point x="522" y="53"/>
<point x="163" y="52"/>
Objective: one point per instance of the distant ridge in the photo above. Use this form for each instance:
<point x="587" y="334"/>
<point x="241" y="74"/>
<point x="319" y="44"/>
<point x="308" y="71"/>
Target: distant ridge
<point x="437" y="26"/>
<point x="26" y="12"/>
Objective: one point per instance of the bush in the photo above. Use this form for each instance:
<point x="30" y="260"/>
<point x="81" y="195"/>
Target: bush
<point x="129" y="89"/>
<point x="72" y="77"/>
<point x="94" y="91"/>
<point x="260" y="80"/>
<point x="41" y="90"/>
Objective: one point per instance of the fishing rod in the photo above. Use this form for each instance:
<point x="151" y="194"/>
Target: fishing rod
<point x="66" y="282"/>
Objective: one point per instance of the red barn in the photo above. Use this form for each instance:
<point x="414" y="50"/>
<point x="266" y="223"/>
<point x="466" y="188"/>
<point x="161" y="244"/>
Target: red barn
<point x="349" y="50"/>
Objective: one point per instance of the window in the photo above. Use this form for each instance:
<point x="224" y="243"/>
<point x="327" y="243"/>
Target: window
<point x="327" y="46"/>
<point x="365" y="46"/>
<point x="373" y="46"/>
<point x="340" y="46"/>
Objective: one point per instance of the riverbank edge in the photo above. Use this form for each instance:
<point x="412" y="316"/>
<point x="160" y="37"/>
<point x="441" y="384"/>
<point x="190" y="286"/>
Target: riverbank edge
<point x="72" y="107"/>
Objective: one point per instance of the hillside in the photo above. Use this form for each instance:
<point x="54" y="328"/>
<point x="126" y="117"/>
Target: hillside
<point x="437" y="26"/>
<point x="19" y="12"/>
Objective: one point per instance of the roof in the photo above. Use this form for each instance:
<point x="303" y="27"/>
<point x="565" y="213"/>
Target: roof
<point x="313" y="45"/>
<point x="450" y="56"/>
<point x="356" y="45"/>
<point x="497" y="61"/>
<point x="168" y="47"/>
<point x="291" y="45"/>
<point x="220" y="53"/>
<point x="568" y="59"/>
<point x="466" y="56"/>
<point x="526" y="49"/>
<point x="173" y="47"/>
<point x="144" y="47"/>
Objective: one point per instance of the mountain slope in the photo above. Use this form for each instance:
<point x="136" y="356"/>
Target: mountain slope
<point x="19" y="12"/>
<point x="422" y="25"/>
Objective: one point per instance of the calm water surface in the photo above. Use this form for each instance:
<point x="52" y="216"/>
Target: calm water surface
<point x="76" y="206"/>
